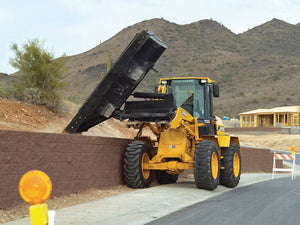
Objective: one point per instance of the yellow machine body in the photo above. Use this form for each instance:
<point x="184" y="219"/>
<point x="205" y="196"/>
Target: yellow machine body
<point x="174" y="147"/>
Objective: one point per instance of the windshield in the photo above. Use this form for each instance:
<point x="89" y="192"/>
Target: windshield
<point x="188" y="94"/>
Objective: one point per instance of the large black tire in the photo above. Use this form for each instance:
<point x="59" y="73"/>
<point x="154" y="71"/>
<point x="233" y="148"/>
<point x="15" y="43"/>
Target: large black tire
<point x="163" y="177"/>
<point x="231" y="166"/>
<point x="134" y="175"/>
<point x="206" y="165"/>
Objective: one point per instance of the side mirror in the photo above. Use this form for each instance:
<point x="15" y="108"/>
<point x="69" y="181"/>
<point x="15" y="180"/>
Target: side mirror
<point x="216" y="90"/>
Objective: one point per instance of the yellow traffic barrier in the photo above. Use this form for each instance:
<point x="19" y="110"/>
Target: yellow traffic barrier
<point x="35" y="188"/>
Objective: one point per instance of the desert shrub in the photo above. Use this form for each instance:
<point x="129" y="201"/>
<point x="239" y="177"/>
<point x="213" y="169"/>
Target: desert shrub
<point x="6" y="91"/>
<point x="41" y="77"/>
<point x="270" y="98"/>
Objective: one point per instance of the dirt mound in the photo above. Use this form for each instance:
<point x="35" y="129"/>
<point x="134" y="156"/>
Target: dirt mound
<point x="20" y="116"/>
<point x="16" y="115"/>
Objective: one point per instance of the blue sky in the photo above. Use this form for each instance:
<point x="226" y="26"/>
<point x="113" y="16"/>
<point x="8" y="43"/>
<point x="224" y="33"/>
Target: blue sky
<point x="75" y="26"/>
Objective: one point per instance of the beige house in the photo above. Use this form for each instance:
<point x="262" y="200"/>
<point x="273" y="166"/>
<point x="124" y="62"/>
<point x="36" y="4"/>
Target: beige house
<point x="279" y="116"/>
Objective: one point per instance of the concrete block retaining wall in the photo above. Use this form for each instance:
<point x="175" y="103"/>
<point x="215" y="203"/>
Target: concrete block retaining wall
<point x="73" y="162"/>
<point x="257" y="160"/>
<point x="76" y="162"/>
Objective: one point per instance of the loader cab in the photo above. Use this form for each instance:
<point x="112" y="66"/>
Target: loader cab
<point x="195" y="95"/>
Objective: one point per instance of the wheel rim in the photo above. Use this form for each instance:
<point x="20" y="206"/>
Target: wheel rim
<point x="214" y="165"/>
<point x="145" y="159"/>
<point x="236" y="165"/>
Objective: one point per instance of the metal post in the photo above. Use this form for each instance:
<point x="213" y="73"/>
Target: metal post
<point x="274" y="166"/>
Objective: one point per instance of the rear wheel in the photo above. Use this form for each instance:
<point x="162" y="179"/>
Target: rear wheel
<point x="231" y="163"/>
<point x="163" y="177"/>
<point x="206" y="165"/>
<point x="136" y="155"/>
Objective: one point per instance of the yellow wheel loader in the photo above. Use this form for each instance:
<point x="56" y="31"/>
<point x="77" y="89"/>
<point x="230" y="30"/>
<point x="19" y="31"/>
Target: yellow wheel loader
<point x="187" y="135"/>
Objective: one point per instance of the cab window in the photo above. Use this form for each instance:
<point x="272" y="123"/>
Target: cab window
<point x="188" y="94"/>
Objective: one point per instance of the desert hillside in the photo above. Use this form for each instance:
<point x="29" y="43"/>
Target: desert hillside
<point x="259" y="68"/>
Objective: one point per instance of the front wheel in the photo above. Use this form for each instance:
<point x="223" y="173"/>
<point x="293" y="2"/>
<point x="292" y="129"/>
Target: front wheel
<point x="231" y="163"/>
<point x="136" y="155"/>
<point x="206" y="165"/>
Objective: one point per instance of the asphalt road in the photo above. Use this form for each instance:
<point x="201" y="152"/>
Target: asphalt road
<point x="297" y="159"/>
<point x="273" y="202"/>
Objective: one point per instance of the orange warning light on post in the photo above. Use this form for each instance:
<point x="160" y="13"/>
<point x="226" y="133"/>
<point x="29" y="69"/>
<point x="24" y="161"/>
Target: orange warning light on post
<point x="35" y="187"/>
<point x="293" y="150"/>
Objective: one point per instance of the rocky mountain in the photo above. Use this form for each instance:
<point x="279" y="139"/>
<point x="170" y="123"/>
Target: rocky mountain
<point x="3" y="76"/>
<point x="259" y="68"/>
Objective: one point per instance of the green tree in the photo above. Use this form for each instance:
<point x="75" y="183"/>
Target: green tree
<point x="41" y="77"/>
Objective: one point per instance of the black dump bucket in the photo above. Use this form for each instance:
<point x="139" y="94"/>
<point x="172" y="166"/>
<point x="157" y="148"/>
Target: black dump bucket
<point x="124" y="76"/>
<point x="158" y="107"/>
